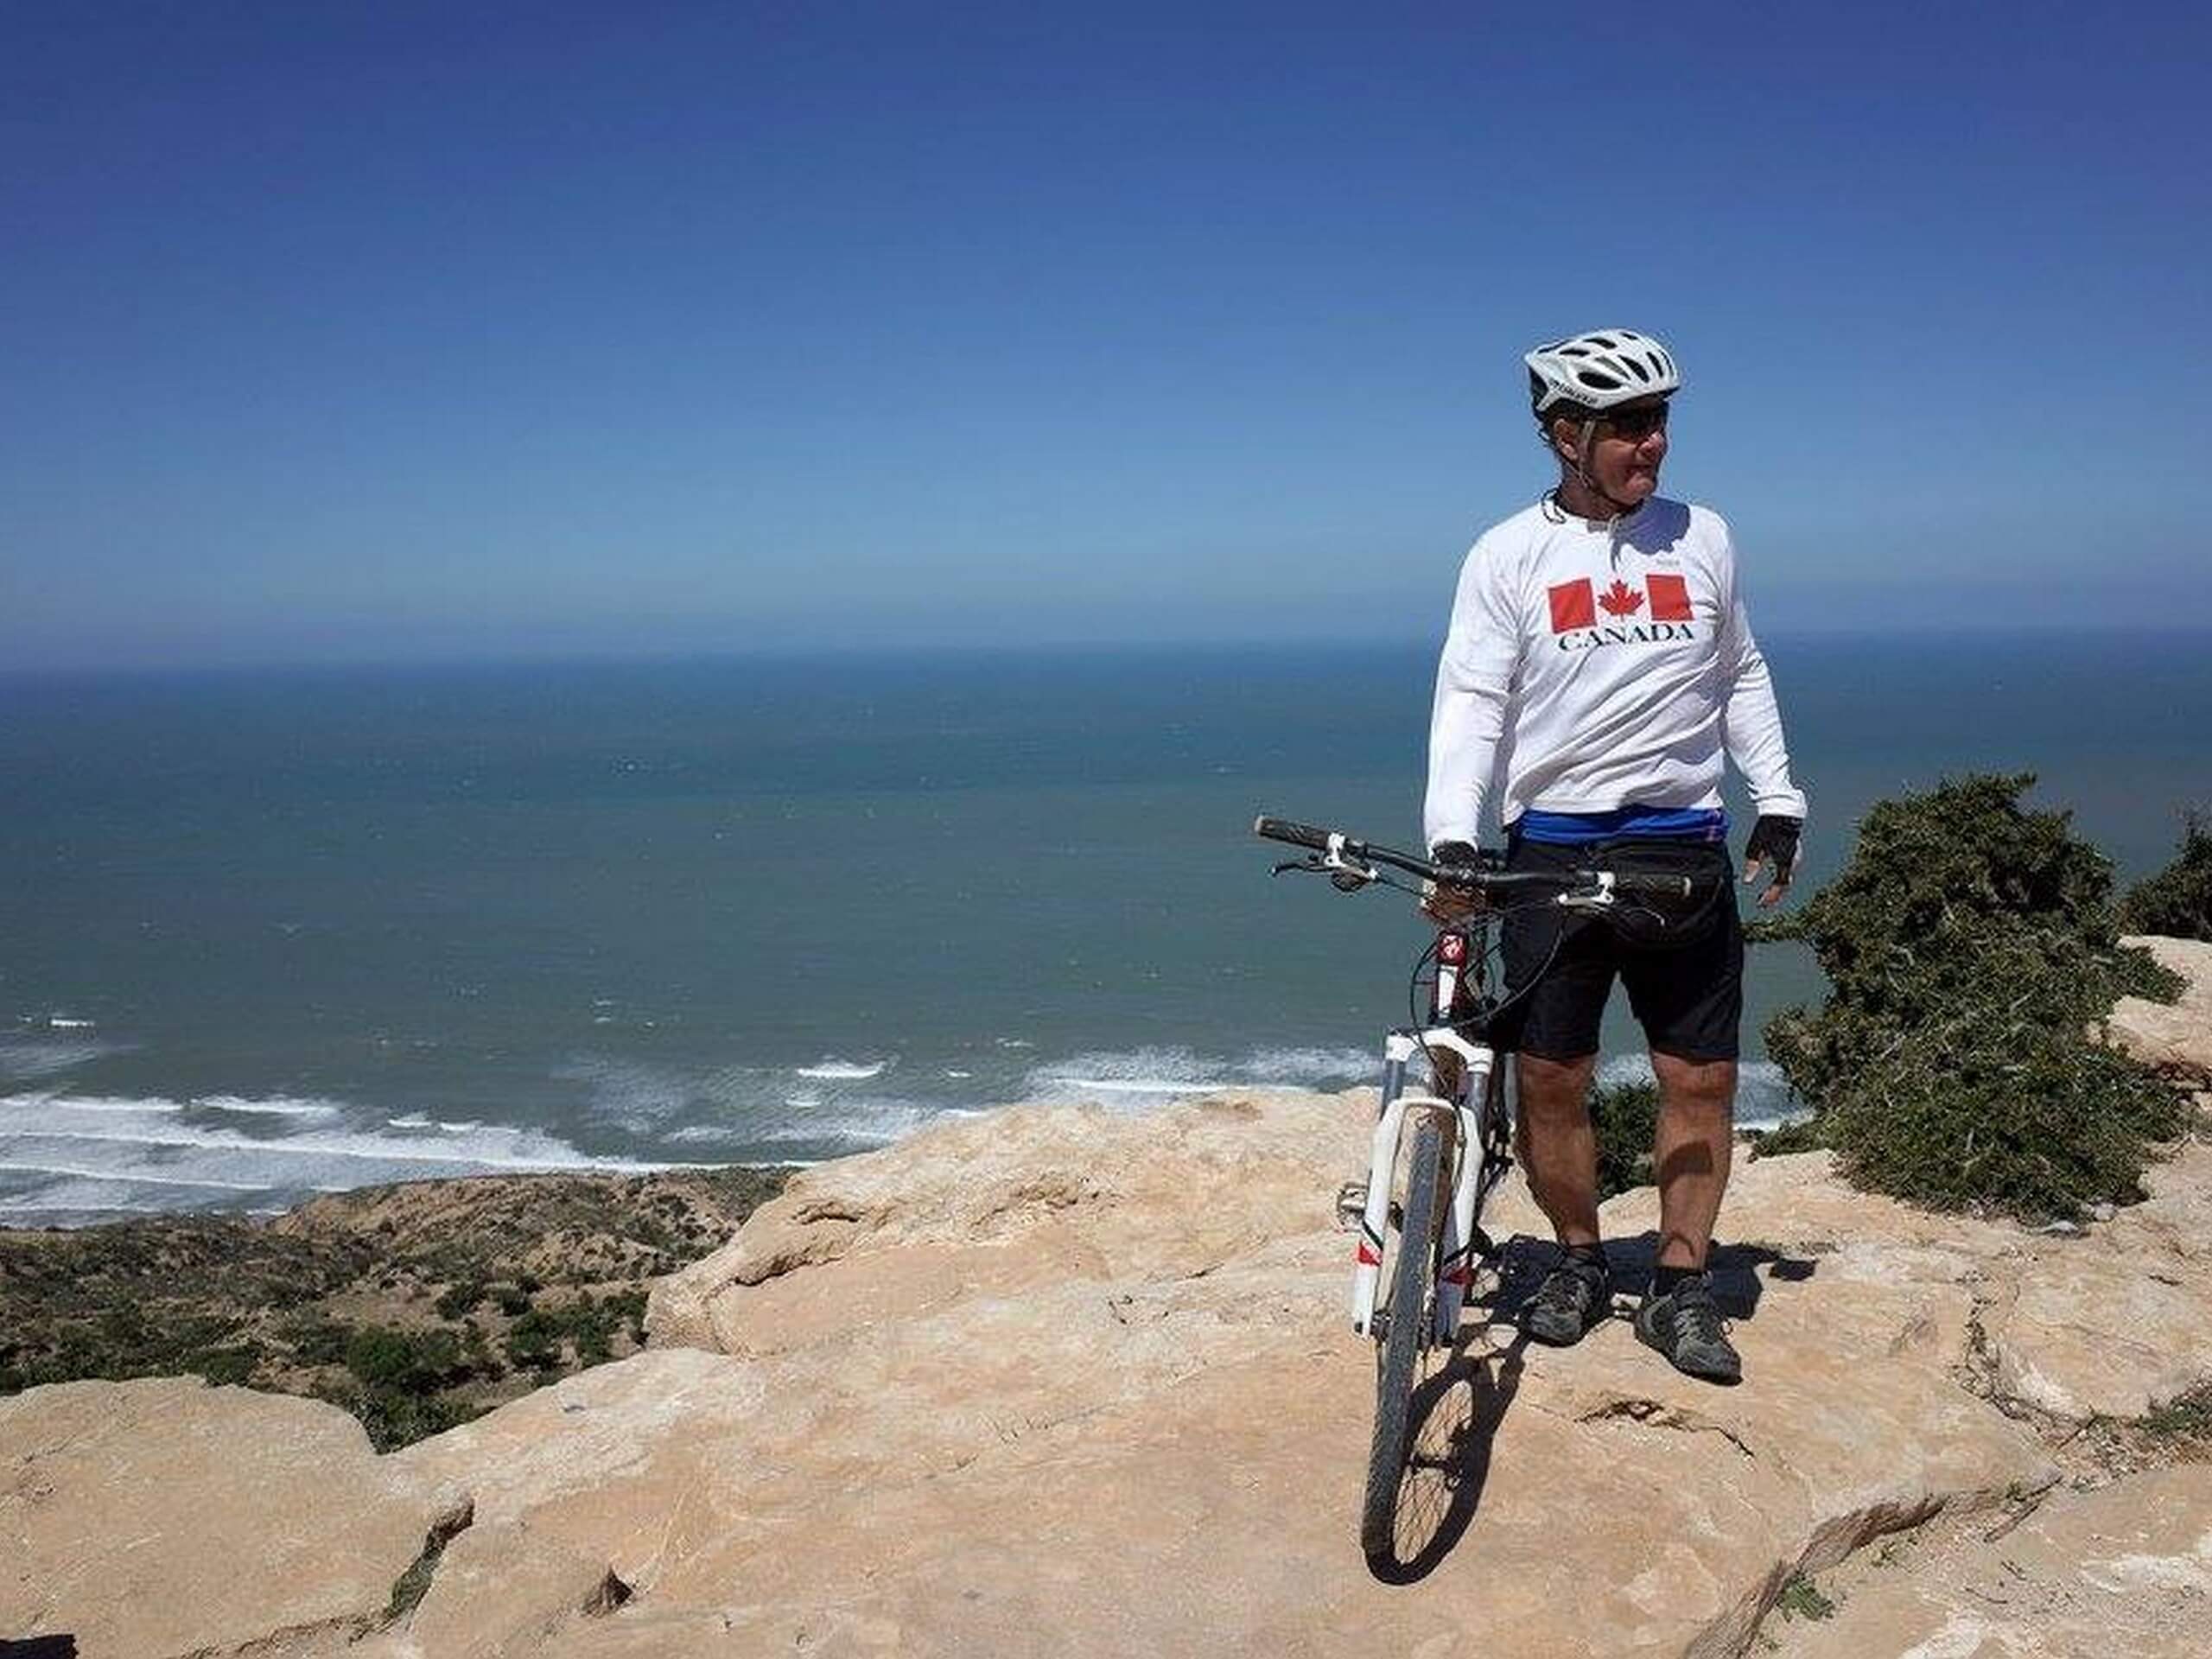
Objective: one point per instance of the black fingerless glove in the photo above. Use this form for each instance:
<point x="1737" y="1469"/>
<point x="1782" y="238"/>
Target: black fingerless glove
<point x="1455" y="852"/>
<point x="1774" y="842"/>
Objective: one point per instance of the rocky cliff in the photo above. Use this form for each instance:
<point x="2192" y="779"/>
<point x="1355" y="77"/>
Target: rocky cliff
<point x="1070" y="1380"/>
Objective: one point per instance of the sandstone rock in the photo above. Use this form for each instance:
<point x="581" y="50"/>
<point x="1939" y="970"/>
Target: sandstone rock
<point x="984" y="1387"/>
<point x="1071" y="1381"/>
<point x="1025" y="1199"/>
<point x="500" y="1591"/>
<point x="2178" y="1035"/>
<point x="2125" y="1569"/>
<point x="2120" y="1320"/>
<point x="166" y="1517"/>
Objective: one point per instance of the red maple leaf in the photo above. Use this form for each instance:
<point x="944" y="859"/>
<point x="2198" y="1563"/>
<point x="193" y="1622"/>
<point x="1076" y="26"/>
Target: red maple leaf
<point x="1621" y="599"/>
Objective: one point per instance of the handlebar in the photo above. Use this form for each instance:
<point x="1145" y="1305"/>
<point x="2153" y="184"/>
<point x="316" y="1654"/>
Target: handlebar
<point x="1346" y="852"/>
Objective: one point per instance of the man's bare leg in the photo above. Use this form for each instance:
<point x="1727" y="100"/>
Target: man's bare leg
<point x="1557" y="1144"/>
<point x="1690" y="1152"/>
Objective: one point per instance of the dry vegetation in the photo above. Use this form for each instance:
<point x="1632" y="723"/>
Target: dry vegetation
<point x="415" y="1306"/>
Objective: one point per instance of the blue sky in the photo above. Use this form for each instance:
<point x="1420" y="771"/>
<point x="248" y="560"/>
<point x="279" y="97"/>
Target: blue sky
<point x="368" y="331"/>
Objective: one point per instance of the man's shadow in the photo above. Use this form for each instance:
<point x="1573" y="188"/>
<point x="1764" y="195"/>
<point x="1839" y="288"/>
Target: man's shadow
<point x="1456" y="1410"/>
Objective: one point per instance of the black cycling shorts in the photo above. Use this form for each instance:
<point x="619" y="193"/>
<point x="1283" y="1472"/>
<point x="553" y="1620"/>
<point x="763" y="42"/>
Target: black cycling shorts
<point x="1687" y="990"/>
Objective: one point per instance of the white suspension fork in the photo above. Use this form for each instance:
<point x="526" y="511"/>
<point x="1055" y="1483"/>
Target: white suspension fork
<point x="1457" y="1259"/>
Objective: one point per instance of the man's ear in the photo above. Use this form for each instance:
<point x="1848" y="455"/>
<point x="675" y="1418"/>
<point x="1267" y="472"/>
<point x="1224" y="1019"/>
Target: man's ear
<point x="1564" y="435"/>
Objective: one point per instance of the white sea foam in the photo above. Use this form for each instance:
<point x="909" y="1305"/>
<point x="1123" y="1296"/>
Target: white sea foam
<point x="858" y="1126"/>
<point x="266" y="1107"/>
<point x="1168" y="1073"/>
<point x="55" y="1101"/>
<point x="1310" y="1068"/>
<point x="152" y="1146"/>
<point x="705" y="1134"/>
<point x="141" y="1179"/>
<point x="1157" y="1073"/>
<point x="834" y="1069"/>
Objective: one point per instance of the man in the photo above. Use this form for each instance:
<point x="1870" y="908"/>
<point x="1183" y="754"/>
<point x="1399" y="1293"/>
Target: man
<point x="1601" y="662"/>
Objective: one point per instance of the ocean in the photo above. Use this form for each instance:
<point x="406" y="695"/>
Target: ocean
<point x="265" y="934"/>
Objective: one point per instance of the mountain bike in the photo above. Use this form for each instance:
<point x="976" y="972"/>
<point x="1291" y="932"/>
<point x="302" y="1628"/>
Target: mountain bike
<point x="1416" y="1254"/>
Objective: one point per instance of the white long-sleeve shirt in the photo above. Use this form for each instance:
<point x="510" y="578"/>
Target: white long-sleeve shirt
<point x="1599" y="666"/>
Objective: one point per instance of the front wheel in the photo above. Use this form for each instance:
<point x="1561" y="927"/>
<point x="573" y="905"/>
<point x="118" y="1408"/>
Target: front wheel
<point x="1411" y="1281"/>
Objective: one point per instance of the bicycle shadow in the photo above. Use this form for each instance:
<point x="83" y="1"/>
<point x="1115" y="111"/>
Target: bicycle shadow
<point x="1454" y="1416"/>
<point x="1456" y="1412"/>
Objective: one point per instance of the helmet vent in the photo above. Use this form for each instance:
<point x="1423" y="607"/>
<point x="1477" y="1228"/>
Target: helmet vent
<point x="1597" y="379"/>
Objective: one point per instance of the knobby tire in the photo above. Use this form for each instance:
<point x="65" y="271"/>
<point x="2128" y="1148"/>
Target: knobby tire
<point x="1411" y="1281"/>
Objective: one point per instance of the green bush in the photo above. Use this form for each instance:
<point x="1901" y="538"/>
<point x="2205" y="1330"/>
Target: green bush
<point x="459" y="1300"/>
<point x="315" y="1340"/>
<point x="394" y="1419"/>
<point x="1625" y="1116"/>
<point x="227" y="1366"/>
<point x="534" y="1341"/>
<point x="1970" y="945"/>
<point x="407" y="1362"/>
<point x="2177" y="900"/>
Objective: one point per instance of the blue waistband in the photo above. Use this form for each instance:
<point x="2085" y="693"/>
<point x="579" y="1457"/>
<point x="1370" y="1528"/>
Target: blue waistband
<point x="1576" y="829"/>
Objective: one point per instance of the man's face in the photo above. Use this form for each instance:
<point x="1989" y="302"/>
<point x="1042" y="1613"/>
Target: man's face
<point x="1627" y="448"/>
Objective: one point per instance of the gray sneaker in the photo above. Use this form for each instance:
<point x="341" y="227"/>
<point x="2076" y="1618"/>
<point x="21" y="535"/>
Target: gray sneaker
<point x="1687" y="1326"/>
<point x="1576" y="1296"/>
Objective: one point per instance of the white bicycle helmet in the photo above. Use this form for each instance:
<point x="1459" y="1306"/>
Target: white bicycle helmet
<point x="1600" y="369"/>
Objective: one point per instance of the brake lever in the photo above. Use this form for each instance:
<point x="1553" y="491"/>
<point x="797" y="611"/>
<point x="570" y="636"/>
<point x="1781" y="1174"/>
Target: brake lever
<point x="1346" y="877"/>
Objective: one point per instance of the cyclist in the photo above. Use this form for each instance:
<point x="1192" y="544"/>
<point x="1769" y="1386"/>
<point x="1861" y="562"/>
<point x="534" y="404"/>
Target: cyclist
<point x="1599" y="662"/>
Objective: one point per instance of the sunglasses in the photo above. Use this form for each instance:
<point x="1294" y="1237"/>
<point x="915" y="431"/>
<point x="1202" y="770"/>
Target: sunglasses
<point x="1634" y="423"/>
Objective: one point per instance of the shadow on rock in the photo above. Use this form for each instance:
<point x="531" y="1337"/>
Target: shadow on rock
<point x="1454" y="1418"/>
<point x="1737" y="1284"/>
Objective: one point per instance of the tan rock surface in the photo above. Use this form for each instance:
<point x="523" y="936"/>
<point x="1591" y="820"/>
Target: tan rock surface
<point x="166" y="1517"/>
<point x="2125" y="1569"/>
<point x="2120" y="1319"/>
<point x="2177" y="1034"/>
<point x="1071" y="1381"/>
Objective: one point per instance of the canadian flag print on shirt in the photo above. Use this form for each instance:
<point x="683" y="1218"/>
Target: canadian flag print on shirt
<point x="1576" y="603"/>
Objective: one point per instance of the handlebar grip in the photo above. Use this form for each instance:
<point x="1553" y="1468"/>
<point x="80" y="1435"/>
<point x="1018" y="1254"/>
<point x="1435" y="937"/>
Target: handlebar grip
<point x="1297" y="834"/>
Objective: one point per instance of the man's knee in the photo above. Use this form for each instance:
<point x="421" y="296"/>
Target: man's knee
<point x="1688" y="1085"/>
<point x="1554" y="1087"/>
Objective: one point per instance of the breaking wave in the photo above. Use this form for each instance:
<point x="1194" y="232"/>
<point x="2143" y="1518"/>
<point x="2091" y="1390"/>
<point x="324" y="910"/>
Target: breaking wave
<point x="60" y="1154"/>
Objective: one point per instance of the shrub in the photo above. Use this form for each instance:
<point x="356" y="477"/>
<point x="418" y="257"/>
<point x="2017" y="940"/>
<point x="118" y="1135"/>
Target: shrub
<point x="2177" y="900"/>
<point x="394" y="1419"/>
<point x="405" y="1362"/>
<point x="460" y="1300"/>
<point x="534" y="1341"/>
<point x="1970" y="946"/>
<point x="316" y="1341"/>
<point x="1625" y="1116"/>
